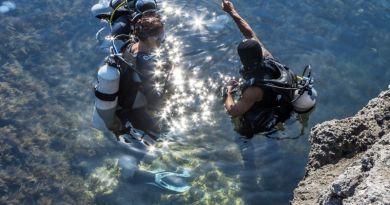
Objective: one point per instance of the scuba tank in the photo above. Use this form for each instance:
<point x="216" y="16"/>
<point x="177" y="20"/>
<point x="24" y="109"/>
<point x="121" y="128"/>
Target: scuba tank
<point x="305" y="97"/>
<point x="106" y="96"/>
<point x="305" y="102"/>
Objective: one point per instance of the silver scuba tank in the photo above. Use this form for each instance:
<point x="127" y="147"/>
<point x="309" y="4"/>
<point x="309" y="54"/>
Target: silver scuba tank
<point x="306" y="101"/>
<point x="106" y="97"/>
<point x="305" y="97"/>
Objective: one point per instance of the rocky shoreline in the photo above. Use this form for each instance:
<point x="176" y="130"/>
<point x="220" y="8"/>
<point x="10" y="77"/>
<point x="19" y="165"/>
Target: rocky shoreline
<point x="349" y="160"/>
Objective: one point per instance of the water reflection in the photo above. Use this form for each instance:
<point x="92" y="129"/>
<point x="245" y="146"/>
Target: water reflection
<point x="192" y="106"/>
<point x="48" y="149"/>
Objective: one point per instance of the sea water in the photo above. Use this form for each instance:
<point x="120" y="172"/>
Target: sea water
<point x="49" y="56"/>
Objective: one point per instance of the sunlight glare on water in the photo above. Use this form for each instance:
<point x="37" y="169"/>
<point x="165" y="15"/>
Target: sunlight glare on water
<point x="190" y="93"/>
<point x="50" y="154"/>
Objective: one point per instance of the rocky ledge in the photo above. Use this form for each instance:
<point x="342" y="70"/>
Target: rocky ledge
<point x="349" y="160"/>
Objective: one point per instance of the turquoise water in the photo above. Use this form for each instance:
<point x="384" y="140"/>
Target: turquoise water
<point x="49" y="154"/>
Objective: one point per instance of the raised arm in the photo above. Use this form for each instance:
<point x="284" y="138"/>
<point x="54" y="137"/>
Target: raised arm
<point x="243" y="25"/>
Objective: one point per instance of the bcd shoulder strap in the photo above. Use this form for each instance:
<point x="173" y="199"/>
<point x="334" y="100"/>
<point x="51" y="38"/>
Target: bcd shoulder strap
<point x="283" y="84"/>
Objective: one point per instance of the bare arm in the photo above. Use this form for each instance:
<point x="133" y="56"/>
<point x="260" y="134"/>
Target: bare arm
<point x="248" y="99"/>
<point x="243" y="25"/>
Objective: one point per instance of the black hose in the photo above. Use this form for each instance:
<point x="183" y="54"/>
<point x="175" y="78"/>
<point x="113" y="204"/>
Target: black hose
<point x="308" y="67"/>
<point x="118" y="57"/>
<point x="283" y="88"/>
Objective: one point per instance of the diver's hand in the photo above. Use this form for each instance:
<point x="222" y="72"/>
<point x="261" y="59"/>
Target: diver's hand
<point x="231" y="85"/>
<point x="228" y="89"/>
<point x="227" y="6"/>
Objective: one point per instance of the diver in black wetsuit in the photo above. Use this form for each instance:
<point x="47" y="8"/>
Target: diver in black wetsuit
<point x="269" y="95"/>
<point x="137" y="92"/>
<point x="137" y="24"/>
<point x="137" y="97"/>
<point x="260" y="107"/>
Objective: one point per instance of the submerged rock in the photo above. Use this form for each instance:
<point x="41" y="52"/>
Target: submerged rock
<point x="349" y="161"/>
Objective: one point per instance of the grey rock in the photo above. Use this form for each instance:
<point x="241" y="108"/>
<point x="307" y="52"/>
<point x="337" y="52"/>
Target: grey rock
<point x="349" y="161"/>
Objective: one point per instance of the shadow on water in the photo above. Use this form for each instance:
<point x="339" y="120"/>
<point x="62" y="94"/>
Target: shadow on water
<point x="49" y="153"/>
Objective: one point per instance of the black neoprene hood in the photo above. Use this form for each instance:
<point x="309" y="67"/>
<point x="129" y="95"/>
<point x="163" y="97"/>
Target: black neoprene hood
<point x="145" y="5"/>
<point x="249" y="51"/>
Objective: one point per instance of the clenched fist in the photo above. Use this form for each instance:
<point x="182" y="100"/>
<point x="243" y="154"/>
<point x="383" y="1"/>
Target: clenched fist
<point x="227" y="6"/>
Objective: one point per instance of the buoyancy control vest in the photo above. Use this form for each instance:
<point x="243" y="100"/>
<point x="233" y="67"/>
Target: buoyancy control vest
<point x="124" y="80"/>
<point x="271" y="76"/>
<point x="277" y="82"/>
<point x="137" y="83"/>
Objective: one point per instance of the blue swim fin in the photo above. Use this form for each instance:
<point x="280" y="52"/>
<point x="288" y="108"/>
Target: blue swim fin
<point x="171" y="181"/>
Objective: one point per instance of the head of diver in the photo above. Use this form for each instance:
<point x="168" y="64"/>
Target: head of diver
<point x="251" y="54"/>
<point x="150" y="32"/>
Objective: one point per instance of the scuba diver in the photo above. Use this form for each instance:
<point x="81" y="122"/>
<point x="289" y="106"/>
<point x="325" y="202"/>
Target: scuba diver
<point x="137" y="92"/>
<point x="270" y="92"/>
<point x="266" y="96"/>
<point x="125" y="95"/>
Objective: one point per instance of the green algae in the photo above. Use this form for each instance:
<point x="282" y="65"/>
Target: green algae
<point x="104" y="179"/>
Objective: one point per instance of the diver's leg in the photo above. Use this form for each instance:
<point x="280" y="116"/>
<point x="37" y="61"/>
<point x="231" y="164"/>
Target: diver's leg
<point x="142" y="120"/>
<point x="141" y="176"/>
<point x="128" y="167"/>
<point x="247" y="151"/>
<point x="129" y="171"/>
<point x="168" y="181"/>
<point x="248" y="175"/>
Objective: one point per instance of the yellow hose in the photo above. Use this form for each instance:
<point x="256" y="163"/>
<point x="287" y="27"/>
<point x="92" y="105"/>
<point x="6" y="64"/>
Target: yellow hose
<point x="112" y="14"/>
<point x="299" y="77"/>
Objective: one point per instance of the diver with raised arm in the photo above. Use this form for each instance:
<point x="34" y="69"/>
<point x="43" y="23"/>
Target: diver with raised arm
<point x="271" y="91"/>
